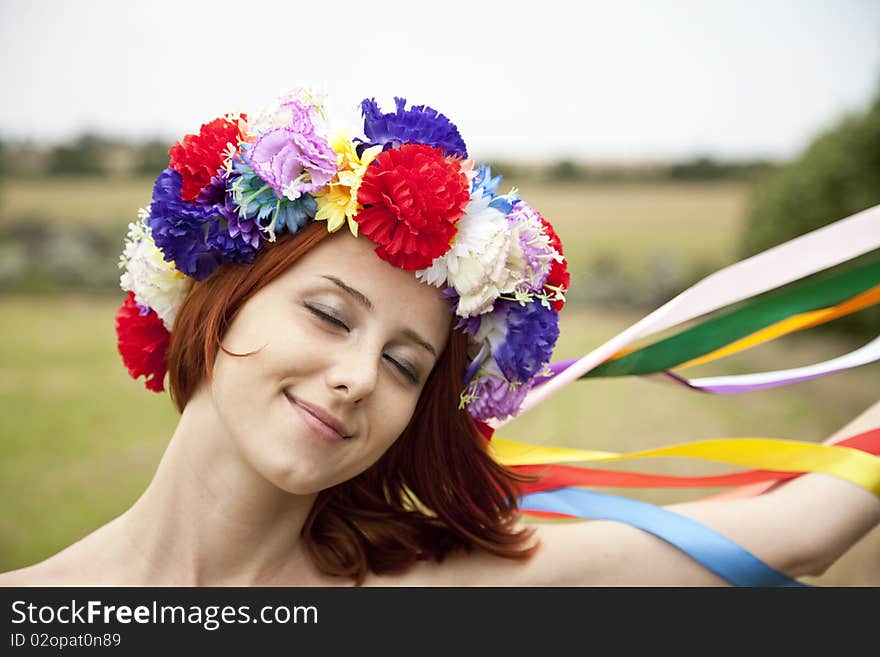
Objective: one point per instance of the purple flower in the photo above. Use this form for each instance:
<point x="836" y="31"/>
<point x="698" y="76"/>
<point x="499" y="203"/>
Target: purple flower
<point x="195" y="238"/>
<point x="234" y="239"/>
<point x="214" y="191"/>
<point x="531" y="334"/>
<point x="237" y="225"/>
<point x="294" y="159"/>
<point x="493" y="398"/>
<point x="469" y="325"/>
<point x="419" y="125"/>
<point x="535" y="243"/>
<point x="179" y="228"/>
<point x="228" y="247"/>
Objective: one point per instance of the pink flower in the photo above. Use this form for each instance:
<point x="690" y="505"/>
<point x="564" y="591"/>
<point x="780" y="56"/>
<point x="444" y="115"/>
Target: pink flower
<point x="293" y="159"/>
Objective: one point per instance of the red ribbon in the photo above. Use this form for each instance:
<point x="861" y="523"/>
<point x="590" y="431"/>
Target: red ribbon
<point x="554" y="476"/>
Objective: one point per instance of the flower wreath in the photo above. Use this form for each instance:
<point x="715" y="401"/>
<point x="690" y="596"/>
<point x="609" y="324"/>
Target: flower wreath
<point x="408" y="186"/>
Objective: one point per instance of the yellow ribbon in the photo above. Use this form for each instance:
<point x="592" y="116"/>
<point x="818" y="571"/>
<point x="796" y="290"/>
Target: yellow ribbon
<point x="792" y="324"/>
<point x="854" y="465"/>
<point x="795" y="323"/>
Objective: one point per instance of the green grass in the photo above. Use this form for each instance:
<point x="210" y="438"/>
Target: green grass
<point x="74" y="201"/>
<point x="79" y="437"/>
<point x="692" y="224"/>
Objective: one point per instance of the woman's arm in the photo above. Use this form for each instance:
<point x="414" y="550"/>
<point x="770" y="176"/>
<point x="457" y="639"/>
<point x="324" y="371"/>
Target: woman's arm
<point x="799" y="528"/>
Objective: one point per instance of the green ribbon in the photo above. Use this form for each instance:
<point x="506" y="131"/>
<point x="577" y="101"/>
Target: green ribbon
<point x="719" y="331"/>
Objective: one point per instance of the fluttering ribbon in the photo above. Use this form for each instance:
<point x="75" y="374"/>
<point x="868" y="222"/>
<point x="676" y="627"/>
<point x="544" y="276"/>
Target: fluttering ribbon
<point x="750" y="382"/>
<point x="553" y="475"/>
<point x="719" y="332"/>
<point x="796" y="323"/>
<point x="731" y="385"/>
<point x="711" y="549"/>
<point x="714" y="551"/>
<point x="758" y="321"/>
<point x="847" y="463"/>
<point x="805" y="255"/>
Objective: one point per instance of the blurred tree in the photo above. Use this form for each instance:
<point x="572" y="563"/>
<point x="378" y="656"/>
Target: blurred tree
<point x="707" y="168"/>
<point x="83" y="156"/>
<point x="152" y="157"/>
<point x="701" y="168"/>
<point x="838" y="175"/>
<point x="565" y="171"/>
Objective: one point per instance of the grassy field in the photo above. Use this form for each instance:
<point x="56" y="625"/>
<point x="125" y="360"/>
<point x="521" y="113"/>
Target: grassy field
<point x="691" y="223"/>
<point x="95" y="202"/>
<point x="681" y="226"/>
<point x="79" y="440"/>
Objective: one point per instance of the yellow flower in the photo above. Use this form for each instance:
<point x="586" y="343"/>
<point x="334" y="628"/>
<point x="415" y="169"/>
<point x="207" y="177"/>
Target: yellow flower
<point x="338" y="201"/>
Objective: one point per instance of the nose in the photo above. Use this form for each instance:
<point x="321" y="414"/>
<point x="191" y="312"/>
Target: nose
<point x="353" y="372"/>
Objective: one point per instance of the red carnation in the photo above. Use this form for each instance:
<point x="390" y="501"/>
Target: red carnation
<point x="199" y="157"/>
<point x="413" y="197"/>
<point x="143" y="343"/>
<point x="558" y="276"/>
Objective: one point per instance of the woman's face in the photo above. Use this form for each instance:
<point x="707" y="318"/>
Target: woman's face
<point x="341" y="336"/>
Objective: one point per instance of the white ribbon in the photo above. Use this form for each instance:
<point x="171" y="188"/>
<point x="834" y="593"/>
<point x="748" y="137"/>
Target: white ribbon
<point x="805" y="255"/>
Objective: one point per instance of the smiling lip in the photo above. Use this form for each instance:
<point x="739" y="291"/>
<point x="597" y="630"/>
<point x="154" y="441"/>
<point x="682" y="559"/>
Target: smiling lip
<point x="322" y="423"/>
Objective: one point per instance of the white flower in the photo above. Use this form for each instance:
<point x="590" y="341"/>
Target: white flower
<point x="484" y="261"/>
<point x="155" y="282"/>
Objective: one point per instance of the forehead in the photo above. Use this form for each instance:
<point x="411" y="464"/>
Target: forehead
<point x="393" y="292"/>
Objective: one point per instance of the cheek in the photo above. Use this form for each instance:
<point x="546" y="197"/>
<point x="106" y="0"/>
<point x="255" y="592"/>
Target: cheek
<point x="244" y="385"/>
<point x="390" y="420"/>
<point x="234" y="390"/>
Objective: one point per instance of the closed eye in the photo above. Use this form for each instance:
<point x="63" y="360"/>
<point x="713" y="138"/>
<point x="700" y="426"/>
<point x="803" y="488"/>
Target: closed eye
<point x="330" y="319"/>
<point x="408" y="373"/>
<point x="326" y="317"/>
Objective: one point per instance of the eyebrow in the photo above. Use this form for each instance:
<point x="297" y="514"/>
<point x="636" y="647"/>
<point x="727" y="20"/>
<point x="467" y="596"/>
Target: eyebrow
<point x="362" y="299"/>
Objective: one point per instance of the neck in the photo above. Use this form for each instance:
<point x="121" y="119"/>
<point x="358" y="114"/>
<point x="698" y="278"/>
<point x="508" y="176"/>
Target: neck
<point x="208" y="518"/>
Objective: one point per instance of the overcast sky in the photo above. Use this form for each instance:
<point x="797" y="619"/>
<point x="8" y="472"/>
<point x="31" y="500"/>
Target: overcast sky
<point x="542" y="79"/>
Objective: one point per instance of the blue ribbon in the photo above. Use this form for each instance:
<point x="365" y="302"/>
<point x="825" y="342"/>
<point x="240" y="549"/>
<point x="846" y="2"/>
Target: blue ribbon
<point x="712" y="550"/>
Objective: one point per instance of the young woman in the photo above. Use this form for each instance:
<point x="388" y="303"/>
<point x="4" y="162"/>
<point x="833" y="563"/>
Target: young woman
<point x="324" y="436"/>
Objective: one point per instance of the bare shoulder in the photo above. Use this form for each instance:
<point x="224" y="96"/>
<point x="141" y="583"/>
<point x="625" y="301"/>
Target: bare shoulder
<point x="478" y="567"/>
<point x="589" y="553"/>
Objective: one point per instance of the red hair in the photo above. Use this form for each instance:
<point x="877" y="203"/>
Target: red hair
<point x="435" y="490"/>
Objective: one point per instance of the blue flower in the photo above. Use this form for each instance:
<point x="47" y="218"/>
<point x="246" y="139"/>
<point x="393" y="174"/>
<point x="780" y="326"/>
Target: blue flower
<point x="419" y="125"/>
<point x="180" y="228"/>
<point x="532" y="331"/>
<point x="293" y="215"/>
<point x="257" y="202"/>
<point x="484" y="181"/>
<point x="195" y="237"/>
<point x="486" y="185"/>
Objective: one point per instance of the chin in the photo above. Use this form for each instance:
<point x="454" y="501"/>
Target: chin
<point x="295" y="483"/>
<point x="302" y="476"/>
<point x="294" y="476"/>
